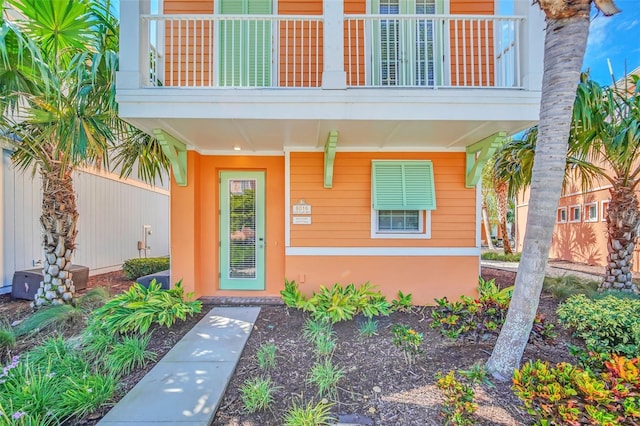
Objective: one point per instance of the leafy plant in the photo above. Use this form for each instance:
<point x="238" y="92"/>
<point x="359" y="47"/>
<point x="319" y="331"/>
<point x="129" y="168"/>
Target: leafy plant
<point x="458" y="406"/>
<point x="338" y="303"/>
<point x="128" y="354"/>
<point x="257" y="394"/>
<point x="86" y="394"/>
<point x="7" y="338"/>
<point x="326" y="376"/>
<point x="481" y="317"/>
<point x="139" y="307"/>
<point x="566" y="394"/>
<point x="567" y="285"/>
<point x="402" y="303"/>
<point x="46" y="317"/>
<point x="309" y="415"/>
<point x="313" y="329"/>
<point x="477" y="374"/>
<point x="408" y="341"/>
<point x="266" y="356"/>
<point x="291" y="295"/>
<point x="606" y="325"/>
<point x="325" y="344"/>
<point x="368" y="328"/>
<point x="139" y="267"/>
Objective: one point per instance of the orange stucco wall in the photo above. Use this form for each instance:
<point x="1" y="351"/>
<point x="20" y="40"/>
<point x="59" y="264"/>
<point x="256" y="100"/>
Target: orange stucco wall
<point x="341" y="218"/>
<point x="576" y="241"/>
<point x="426" y="278"/>
<point x="194" y="223"/>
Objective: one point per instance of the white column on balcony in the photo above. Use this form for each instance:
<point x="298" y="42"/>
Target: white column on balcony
<point x="333" y="74"/>
<point x="532" y="43"/>
<point x="134" y="42"/>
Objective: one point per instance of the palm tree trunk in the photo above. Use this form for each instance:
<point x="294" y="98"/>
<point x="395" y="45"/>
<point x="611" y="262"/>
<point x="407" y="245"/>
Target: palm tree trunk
<point x="623" y="219"/>
<point x="59" y="220"/>
<point x="487" y="228"/>
<point x="565" y="43"/>
<point x="501" y="194"/>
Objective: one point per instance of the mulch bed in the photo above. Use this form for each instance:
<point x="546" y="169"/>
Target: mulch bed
<point x="377" y="384"/>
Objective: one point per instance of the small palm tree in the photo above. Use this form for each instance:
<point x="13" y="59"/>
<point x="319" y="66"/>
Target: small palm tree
<point x="606" y="129"/>
<point x="57" y="96"/>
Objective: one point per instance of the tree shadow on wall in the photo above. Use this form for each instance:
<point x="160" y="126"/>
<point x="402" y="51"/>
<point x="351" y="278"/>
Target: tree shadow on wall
<point x="576" y="242"/>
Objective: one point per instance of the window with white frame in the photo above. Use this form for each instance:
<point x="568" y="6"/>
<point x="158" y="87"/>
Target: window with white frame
<point x="591" y="212"/>
<point x="575" y="213"/>
<point x="403" y="194"/>
<point x="604" y="209"/>
<point x="561" y="215"/>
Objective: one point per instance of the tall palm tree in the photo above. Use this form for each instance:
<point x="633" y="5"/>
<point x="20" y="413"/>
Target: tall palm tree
<point x="59" y="105"/>
<point x="565" y="43"/>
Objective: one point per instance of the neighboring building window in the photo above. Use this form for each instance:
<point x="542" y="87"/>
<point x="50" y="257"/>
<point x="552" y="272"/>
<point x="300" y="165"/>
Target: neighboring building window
<point x="604" y="208"/>
<point x="574" y="213"/>
<point x="562" y="215"/>
<point x="591" y="212"/>
<point x="402" y="196"/>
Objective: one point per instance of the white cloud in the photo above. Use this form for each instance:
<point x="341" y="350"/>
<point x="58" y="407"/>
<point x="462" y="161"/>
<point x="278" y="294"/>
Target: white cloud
<point x="598" y="37"/>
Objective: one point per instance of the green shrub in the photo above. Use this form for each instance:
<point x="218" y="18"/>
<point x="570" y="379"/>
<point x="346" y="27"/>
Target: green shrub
<point x="266" y="356"/>
<point x="567" y="285"/>
<point x="128" y="354"/>
<point x="139" y="267"/>
<point x="139" y="307"/>
<point x="482" y="317"/>
<point x="309" y="415"/>
<point x="606" y="325"/>
<point x="458" y="406"/>
<point x="325" y="375"/>
<point x="568" y="395"/>
<point x="338" y="303"/>
<point x="257" y="394"/>
<point x="408" y="341"/>
<point x="369" y="328"/>
<point x="7" y="338"/>
<point x="55" y="315"/>
<point x="402" y="303"/>
<point x="492" y="255"/>
<point x="52" y="384"/>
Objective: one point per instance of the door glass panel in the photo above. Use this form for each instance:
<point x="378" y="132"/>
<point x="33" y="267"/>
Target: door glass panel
<point x="242" y="228"/>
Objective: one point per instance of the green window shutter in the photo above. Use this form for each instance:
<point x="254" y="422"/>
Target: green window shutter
<point x="245" y="46"/>
<point x="403" y="185"/>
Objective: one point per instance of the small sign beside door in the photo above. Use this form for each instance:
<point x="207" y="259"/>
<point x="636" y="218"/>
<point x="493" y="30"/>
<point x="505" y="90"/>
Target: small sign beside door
<point x="302" y="220"/>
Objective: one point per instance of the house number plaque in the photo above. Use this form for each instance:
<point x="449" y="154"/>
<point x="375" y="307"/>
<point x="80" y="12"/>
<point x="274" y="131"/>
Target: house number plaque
<point x="301" y="207"/>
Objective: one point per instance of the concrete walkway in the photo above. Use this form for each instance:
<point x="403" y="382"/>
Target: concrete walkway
<point x="188" y="383"/>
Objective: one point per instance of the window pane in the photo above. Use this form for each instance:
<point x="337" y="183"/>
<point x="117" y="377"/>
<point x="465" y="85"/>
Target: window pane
<point x="399" y="220"/>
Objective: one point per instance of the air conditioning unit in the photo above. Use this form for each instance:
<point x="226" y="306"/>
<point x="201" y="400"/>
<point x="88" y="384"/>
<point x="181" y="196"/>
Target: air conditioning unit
<point x="26" y="283"/>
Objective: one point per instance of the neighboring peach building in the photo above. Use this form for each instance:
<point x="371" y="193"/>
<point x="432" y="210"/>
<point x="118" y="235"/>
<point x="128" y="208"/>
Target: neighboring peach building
<point x="580" y="233"/>
<point x="328" y="141"/>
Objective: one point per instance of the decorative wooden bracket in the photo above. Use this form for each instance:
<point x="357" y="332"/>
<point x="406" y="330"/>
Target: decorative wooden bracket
<point x="484" y="150"/>
<point x="329" y="157"/>
<point x="176" y="152"/>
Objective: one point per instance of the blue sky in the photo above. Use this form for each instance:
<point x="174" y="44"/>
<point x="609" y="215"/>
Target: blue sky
<point x="616" y="38"/>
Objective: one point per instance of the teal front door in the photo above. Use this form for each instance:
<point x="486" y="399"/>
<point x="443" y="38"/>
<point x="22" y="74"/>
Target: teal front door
<point x="242" y="245"/>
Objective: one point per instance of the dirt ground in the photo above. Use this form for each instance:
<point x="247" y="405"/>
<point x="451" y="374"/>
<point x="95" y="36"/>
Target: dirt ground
<point x="378" y="385"/>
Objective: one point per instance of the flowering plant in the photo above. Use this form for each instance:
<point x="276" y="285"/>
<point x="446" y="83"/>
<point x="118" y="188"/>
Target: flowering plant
<point x="408" y="341"/>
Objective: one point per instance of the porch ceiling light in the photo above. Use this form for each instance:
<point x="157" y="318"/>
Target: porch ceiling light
<point x="236" y="148"/>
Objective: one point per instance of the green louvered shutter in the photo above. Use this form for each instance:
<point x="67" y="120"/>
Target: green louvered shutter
<point x="403" y="185"/>
<point x="245" y="46"/>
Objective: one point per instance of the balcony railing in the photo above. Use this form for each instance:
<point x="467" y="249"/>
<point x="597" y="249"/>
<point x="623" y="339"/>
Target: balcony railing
<point x="253" y="51"/>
